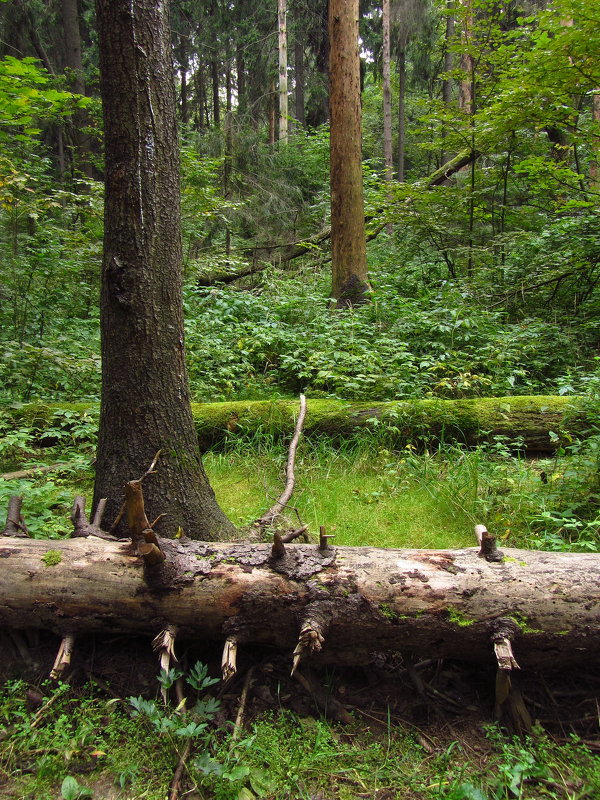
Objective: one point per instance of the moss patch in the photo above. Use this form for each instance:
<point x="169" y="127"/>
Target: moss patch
<point x="52" y="557"/>
<point x="458" y="618"/>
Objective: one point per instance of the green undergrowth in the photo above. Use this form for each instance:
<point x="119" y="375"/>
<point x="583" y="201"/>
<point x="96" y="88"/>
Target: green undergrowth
<point x="361" y="491"/>
<point x="78" y="743"/>
<point x="362" y="497"/>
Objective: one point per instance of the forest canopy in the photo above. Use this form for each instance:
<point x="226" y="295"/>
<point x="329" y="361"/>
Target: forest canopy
<point x="483" y="285"/>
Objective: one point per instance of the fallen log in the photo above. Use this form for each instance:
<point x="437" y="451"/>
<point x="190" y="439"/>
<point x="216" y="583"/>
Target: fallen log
<point x="537" y="421"/>
<point x="534" y="424"/>
<point x="337" y="605"/>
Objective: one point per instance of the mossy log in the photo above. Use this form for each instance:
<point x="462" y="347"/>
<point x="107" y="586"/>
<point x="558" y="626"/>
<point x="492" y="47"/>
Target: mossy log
<point x="337" y="604"/>
<point x="533" y="424"/>
<point x="537" y="424"/>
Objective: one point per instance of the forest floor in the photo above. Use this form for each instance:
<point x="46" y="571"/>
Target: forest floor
<point x="416" y="730"/>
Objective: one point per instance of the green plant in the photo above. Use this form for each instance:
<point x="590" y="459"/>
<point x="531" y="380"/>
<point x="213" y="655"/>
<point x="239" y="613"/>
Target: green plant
<point x="52" y="557"/>
<point x="71" y="789"/>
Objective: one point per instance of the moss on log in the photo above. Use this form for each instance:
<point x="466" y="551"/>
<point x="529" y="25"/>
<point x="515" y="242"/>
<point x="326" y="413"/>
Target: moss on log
<point x="536" y="424"/>
<point x="537" y="421"/>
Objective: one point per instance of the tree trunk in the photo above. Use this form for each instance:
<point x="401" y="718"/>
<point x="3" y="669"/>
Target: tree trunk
<point x="448" y="54"/>
<point x="387" y="94"/>
<point x="201" y="116"/>
<point x="448" y="65"/>
<point x="299" y="78"/>
<point x="240" y="69"/>
<point x="467" y="62"/>
<point x="283" y="77"/>
<point x="216" y="102"/>
<point x="74" y="64"/>
<point x="182" y="57"/>
<point x="401" y="65"/>
<point x="348" y="242"/>
<point x="595" y="162"/>
<point x="341" y="604"/>
<point x="145" y="403"/>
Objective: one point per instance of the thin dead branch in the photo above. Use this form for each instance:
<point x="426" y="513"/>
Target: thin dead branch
<point x="282" y="501"/>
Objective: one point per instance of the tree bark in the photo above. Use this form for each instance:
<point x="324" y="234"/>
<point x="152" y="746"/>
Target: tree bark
<point x="240" y="70"/>
<point x="595" y="160"/>
<point x="299" y="77"/>
<point x="448" y="65"/>
<point x="76" y="80"/>
<point x="401" y="66"/>
<point x="340" y="604"/>
<point x="145" y="399"/>
<point x="467" y="63"/>
<point x="283" y="66"/>
<point x="387" y="94"/>
<point x="216" y="102"/>
<point x="348" y="241"/>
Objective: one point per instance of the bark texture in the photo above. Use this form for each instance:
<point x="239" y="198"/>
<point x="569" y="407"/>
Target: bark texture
<point x="76" y="81"/>
<point x="283" y="70"/>
<point x="352" y="601"/>
<point x="348" y="241"/>
<point x="145" y="401"/>
<point x="387" y="93"/>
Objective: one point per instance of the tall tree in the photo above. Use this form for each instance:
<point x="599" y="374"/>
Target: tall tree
<point x="466" y="95"/>
<point x="300" y="113"/>
<point x="448" y="65"/>
<point x="595" y="165"/>
<point x="407" y="17"/>
<point x="283" y="66"/>
<point x="145" y="404"/>
<point x="387" y="93"/>
<point x="74" y="66"/>
<point x="348" y="242"/>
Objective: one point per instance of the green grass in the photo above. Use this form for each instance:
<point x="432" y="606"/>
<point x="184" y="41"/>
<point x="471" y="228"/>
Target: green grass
<point x="362" y="498"/>
<point x="365" y="494"/>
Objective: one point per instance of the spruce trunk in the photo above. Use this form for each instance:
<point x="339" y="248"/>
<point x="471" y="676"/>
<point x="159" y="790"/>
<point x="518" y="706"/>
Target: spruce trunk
<point x="145" y="403"/>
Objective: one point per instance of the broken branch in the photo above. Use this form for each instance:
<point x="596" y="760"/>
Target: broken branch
<point x="285" y="496"/>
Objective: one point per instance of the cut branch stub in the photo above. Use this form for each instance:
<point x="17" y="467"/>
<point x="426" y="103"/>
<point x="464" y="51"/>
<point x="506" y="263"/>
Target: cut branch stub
<point x="505" y="631"/>
<point x="278" y="548"/>
<point x="229" y="659"/>
<point x="487" y="544"/>
<point x="151" y="553"/>
<point x="81" y="527"/>
<point x="324" y="538"/>
<point x="63" y="657"/>
<point x="137" y="521"/>
<point x="312" y="635"/>
<point x="140" y="529"/>
<point x="15" y="524"/>
<point x="164" y="644"/>
<point x="509" y="700"/>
